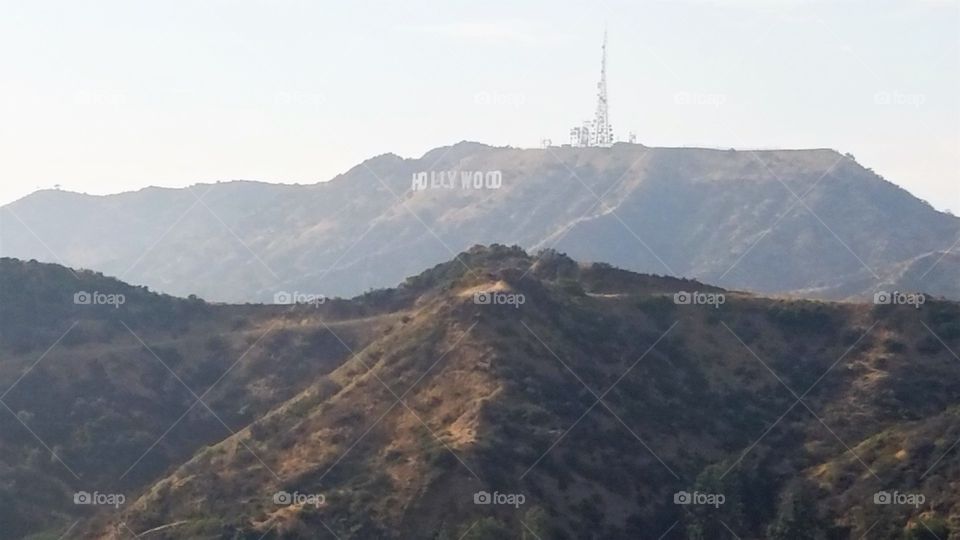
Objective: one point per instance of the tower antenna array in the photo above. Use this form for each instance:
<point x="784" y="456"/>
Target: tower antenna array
<point x="597" y="132"/>
<point x="602" y="132"/>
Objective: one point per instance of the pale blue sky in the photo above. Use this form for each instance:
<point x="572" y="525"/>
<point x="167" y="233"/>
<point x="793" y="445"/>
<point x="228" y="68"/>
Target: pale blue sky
<point x="109" y="96"/>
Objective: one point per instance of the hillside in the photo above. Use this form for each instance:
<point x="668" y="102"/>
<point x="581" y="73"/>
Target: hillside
<point x="594" y="396"/>
<point x="88" y="389"/>
<point x="807" y="222"/>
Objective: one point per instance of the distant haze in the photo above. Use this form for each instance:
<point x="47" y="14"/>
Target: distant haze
<point x="115" y="96"/>
<point x="810" y="222"/>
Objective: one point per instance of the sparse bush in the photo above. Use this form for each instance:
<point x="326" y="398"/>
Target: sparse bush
<point x="927" y="528"/>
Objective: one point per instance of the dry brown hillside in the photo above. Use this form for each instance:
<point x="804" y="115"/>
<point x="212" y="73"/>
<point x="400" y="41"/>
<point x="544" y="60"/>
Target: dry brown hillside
<point x="585" y="410"/>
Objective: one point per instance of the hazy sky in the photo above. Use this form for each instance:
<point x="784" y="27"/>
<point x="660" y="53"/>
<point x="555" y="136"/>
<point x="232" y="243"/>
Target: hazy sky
<point x="110" y="96"/>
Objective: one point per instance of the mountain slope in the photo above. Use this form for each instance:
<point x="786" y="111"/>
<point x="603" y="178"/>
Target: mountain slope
<point x="103" y="397"/>
<point x="458" y="397"/>
<point x="809" y="222"/>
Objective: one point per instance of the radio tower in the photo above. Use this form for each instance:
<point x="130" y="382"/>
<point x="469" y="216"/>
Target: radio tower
<point x="602" y="133"/>
<point x="596" y="132"/>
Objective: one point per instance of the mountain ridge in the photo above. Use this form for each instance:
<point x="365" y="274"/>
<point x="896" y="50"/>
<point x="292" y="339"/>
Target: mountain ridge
<point x="496" y="397"/>
<point x="773" y="221"/>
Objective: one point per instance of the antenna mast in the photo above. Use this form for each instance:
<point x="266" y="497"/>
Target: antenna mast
<point x="602" y="131"/>
<point x="596" y="132"/>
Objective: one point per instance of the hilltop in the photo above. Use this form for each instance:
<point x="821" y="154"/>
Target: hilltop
<point x="589" y="390"/>
<point x="812" y="223"/>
